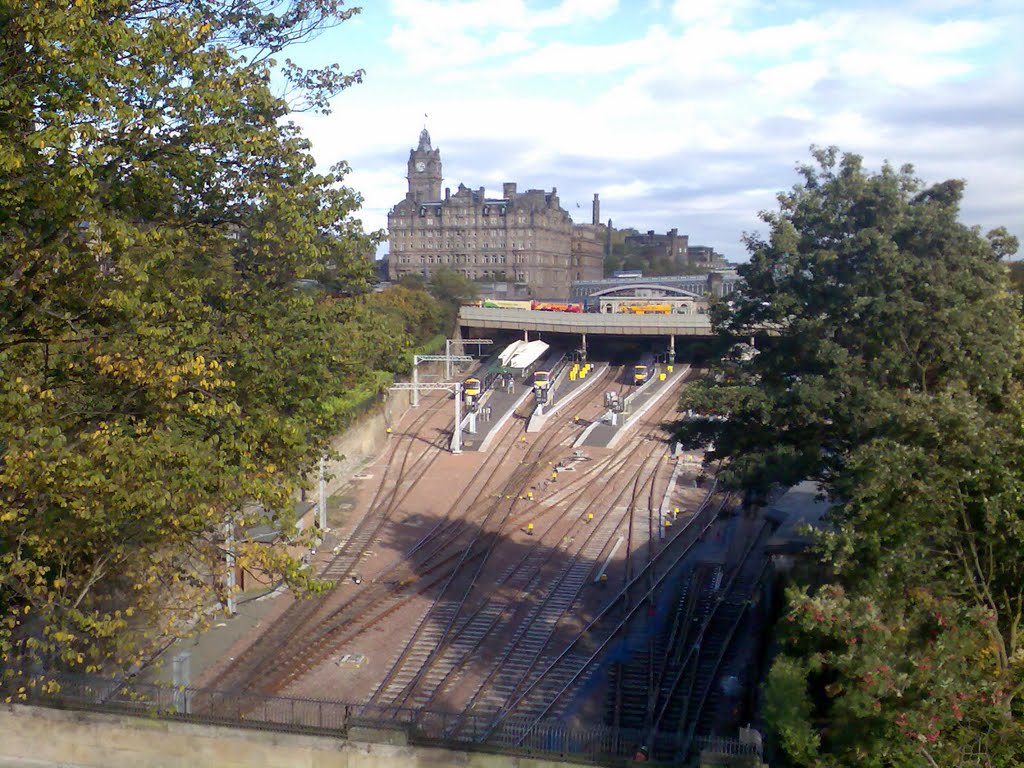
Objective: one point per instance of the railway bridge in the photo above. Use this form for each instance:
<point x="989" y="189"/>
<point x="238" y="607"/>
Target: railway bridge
<point x="584" y="323"/>
<point x="582" y="327"/>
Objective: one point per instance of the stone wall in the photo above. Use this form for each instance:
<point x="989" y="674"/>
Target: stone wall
<point x="69" y="739"/>
<point x="367" y="436"/>
<point x="363" y="440"/>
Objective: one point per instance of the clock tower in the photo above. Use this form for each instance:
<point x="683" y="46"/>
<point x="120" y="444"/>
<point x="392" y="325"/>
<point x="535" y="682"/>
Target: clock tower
<point x="424" y="171"/>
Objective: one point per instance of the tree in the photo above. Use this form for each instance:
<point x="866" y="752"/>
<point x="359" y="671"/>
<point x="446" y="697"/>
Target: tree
<point x="867" y="291"/>
<point x="413" y="281"/>
<point x="421" y="315"/>
<point x="907" y="682"/>
<point x="452" y="289"/>
<point x="888" y="368"/>
<point x="163" y="383"/>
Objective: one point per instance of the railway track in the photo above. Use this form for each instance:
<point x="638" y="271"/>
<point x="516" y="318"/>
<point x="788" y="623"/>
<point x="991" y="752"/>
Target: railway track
<point x="549" y="690"/>
<point x="250" y="665"/>
<point x="310" y="631"/>
<point x="536" y="606"/>
<point x="426" y="647"/>
<point x="716" y="603"/>
<point x="528" y="683"/>
<point x="431" y="663"/>
<point x="434" y="565"/>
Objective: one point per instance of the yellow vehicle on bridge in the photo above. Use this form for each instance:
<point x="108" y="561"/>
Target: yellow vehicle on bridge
<point x="646" y="309"/>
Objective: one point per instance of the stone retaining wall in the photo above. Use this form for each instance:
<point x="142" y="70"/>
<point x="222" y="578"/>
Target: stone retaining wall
<point x="51" y="738"/>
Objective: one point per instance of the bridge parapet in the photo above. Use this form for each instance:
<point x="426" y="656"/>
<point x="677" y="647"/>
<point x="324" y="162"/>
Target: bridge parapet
<point x="589" y="323"/>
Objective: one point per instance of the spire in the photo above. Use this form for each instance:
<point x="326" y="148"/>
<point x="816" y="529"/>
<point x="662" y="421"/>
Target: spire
<point x="424" y="140"/>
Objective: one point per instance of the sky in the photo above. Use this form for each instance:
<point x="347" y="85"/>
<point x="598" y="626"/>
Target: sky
<point x="687" y="114"/>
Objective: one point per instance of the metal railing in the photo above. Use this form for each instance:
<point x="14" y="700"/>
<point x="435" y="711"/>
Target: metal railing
<point x="518" y="735"/>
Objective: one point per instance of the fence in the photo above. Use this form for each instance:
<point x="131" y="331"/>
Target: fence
<point x="594" y="745"/>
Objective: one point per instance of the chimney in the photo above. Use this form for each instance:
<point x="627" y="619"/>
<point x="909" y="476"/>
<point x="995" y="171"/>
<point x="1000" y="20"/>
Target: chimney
<point x="595" y="218"/>
<point x="447" y="193"/>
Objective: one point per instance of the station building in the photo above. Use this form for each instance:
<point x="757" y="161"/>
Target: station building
<point x="636" y="286"/>
<point x="525" y="238"/>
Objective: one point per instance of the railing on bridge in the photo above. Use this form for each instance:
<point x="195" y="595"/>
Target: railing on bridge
<point x="518" y="735"/>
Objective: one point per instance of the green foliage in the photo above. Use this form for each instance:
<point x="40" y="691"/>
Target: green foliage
<point x="888" y="367"/>
<point x="914" y="680"/>
<point x="421" y="315"/>
<point x="413" y="281"/>
<point x="432" y="346"/>
<point x="868" y="290"/>
<point x="451" y="287"/>
<point x="355" y="401"/>
<point x="788" y="705"/>
<point x="1015" y="270"/>
<point x="162" y="380"/>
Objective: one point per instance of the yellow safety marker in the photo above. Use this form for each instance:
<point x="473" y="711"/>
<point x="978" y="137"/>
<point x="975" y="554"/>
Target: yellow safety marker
<point x="590" y="516"/>
<point x="669" y="368"/>
<point x="554" y="476"/>
<point x="604" y="578"/>
<point x="529" y="529"/>
<point x="529" y="495"/>
<point x="668" y="523"/>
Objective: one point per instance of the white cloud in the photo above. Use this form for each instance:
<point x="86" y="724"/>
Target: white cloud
<point x="632" y="190"/>
<point x="719" y="12"/>
<point x="593" y="60"/>
<point x="438" y="33"/>
<point x="692" y="118"/>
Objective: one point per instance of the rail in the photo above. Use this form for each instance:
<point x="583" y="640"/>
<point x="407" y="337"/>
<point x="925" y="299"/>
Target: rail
<point x="623" y="595"/>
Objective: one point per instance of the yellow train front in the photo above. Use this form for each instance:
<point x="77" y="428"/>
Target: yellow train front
<point x="642" y="373"/>
<point x="471" y="387"/>
<point x="542" y="386"/>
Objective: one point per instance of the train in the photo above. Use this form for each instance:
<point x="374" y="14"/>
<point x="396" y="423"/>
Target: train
<point x="669" y="305"/>
<point x="502" y="304"/>
<point x="535" y="306"/>
<point x="645" y="309"/>
<point x="541" y="379"/>
<point x="644" y="371"/>
<point x="548" y="306"/>
<point x="471" y="387"/>
<point x="660" y="305"/>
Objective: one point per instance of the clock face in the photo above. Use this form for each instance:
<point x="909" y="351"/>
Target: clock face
<point x="420" y="166"/>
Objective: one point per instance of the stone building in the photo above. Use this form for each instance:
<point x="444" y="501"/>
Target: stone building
<point x="675" y="249"/>
<point x="520" y="237"/>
